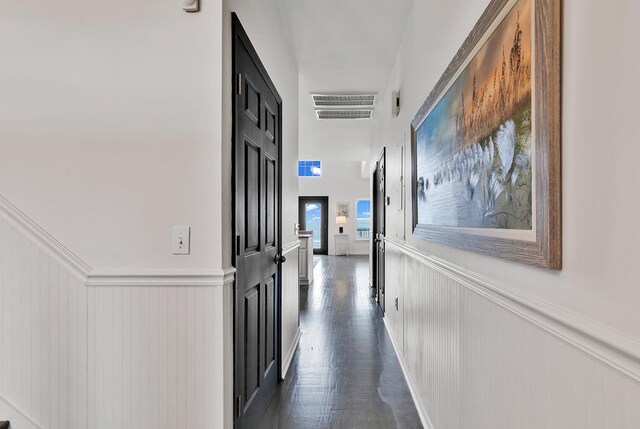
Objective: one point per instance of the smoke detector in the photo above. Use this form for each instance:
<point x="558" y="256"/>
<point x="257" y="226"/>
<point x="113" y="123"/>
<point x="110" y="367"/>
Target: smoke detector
<point x="395" y="103"/>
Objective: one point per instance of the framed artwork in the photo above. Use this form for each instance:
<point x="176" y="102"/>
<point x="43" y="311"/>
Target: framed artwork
<point x="486" y="142"/>
<point x="342" y="209"/>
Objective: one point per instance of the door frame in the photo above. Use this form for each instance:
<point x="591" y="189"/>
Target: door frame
<point x="377" y="264"/>
<point x="324" y="235"/>
<point x="239" y="34"/>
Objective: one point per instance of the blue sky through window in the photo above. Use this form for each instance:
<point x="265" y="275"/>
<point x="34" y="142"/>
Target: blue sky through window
<point x="309" y="168"/>
<point x="363" y="218"/>
<point x="313" y="222"/>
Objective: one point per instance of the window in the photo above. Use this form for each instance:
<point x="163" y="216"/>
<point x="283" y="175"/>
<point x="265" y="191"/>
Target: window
<point x="309" y="168"/>
<point x="363" y="219"/>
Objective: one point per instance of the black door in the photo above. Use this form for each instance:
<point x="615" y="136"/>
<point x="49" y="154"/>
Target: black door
<point x="314" y="215"/>
<point x="257" y="144"/>
<point x="379" y="207"/>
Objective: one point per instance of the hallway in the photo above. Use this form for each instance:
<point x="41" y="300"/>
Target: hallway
<point x="345" y="373"/>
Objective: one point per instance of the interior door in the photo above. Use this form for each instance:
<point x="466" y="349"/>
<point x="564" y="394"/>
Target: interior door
<point x="257" y="110"/>
<point x="380" y="204"/>
<point x="314" y="216"/>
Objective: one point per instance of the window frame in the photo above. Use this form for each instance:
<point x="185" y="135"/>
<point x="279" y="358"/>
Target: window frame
<point x="357" y="237"/>
<point x="315" y="163"/>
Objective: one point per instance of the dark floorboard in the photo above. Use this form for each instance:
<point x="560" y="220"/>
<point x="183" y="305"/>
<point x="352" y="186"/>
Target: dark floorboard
<point x="345" y="373"/>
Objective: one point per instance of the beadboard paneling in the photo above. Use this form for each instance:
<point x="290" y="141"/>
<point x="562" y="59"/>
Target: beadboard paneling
<point x="43" y="333"/>
<point x="394" y="274"/>
<point x="290" y="304"/>
<point x="476" y="362"/>
<point x="151" y="354"/>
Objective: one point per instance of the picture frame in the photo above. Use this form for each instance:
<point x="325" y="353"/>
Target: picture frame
<point x="486" y="143"/>
<point x="342" y="209"/>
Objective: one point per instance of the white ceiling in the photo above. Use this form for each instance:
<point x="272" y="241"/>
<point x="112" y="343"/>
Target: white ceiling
<point x="342" y="46"/>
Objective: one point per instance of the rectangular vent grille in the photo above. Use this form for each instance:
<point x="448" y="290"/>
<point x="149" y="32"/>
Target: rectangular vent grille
<point x="344" y="114"/>
<point x="344" y="100"/>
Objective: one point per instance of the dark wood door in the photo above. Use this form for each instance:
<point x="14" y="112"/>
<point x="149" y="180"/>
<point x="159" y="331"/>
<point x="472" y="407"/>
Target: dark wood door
<point x="313" y="215"/>
<point x="380" y="204"/>
<point x="257" y="145"/>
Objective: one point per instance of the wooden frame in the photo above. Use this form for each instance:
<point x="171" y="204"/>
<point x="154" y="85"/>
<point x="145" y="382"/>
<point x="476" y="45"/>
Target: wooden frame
<point x="546" y="250"/>
<point x="342" y="209"/>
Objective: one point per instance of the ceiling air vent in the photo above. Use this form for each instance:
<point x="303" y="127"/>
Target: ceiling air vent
<point x="344" y="114"/>
<point x="322" y="101"/>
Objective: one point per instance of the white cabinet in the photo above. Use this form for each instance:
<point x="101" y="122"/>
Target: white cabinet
<point x="305" y="259"/>
<point x="341" y="244"/>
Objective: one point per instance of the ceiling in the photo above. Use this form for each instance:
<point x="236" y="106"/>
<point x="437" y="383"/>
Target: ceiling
<point x="342" y="46"/>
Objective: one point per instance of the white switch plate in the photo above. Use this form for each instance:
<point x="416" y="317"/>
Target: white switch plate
<point x="181" y="240"/>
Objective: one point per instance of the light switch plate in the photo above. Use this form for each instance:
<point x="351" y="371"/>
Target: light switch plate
<point x="181" y="240"/>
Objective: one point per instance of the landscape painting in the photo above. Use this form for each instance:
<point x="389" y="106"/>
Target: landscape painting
<point x="474" y="149"/>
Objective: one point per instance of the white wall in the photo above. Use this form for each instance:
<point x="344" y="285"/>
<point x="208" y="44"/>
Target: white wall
<point x="341" y="181"/>
<point x="111" y="134"/>
<point x="110" y="129"/>
<point x="598" y="283"/>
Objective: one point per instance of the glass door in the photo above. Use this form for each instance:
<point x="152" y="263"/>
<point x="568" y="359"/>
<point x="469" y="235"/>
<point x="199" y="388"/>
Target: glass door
<point x="313" y="213"/>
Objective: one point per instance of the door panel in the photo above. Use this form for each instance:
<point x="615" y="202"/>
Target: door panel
<point x="380" y="200"/>
<point x="252" y="341"/>
<point x="271" y="189"/>
<point x="257" y="226"/>
<point x="270" y="322"/>
<point x="252" y="195"/>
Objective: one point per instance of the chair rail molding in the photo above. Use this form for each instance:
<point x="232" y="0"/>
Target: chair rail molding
<point x="213" y="278"/>
<point x="113" y="277"/>
<point x="614" y="349"/>
<point x="289" y="247"/>
<point x="43" y="240"/>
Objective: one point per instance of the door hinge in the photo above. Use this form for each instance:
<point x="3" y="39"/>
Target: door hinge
<point x="237" y="245"/>
<point x="239" y="83"/>
<point x="238" y="405"/>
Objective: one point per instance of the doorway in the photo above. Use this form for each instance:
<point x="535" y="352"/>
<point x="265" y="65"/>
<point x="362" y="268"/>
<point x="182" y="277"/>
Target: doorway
<point x="257" y="227"/>
<point x="379" y="216"/>
<point x="314" y="216"/>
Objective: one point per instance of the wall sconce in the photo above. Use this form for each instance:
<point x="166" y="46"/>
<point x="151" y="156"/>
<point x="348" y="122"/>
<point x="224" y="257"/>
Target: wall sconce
<point x="341" y="220"/>
<point x="190" y="5"/>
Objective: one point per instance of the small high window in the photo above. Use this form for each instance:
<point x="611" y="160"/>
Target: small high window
<point x="309" y="168"/>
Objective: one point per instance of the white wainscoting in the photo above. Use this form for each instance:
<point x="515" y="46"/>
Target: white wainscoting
<point x="84" y="349"/>
<point x="43" y="327"/>
<point x="477" y="355"/>
<point x="155" y="359"/>
<point x="290" y="304"/>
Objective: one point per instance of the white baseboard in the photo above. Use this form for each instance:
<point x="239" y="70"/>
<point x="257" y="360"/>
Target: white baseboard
<point x="18" y="419"/>
<point x="292" y="350"/>
<point x="422" y="412"/>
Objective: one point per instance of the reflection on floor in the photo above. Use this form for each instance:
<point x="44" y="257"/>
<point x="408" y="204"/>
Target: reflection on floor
<point x="345" y="373"/>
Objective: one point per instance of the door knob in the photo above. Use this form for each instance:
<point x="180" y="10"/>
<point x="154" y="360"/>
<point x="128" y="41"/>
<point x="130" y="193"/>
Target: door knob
<point x="279" y="259"/>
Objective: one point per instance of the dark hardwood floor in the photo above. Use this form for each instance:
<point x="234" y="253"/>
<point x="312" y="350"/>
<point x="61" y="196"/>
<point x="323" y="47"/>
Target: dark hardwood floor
<point x="345" y="373"/>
